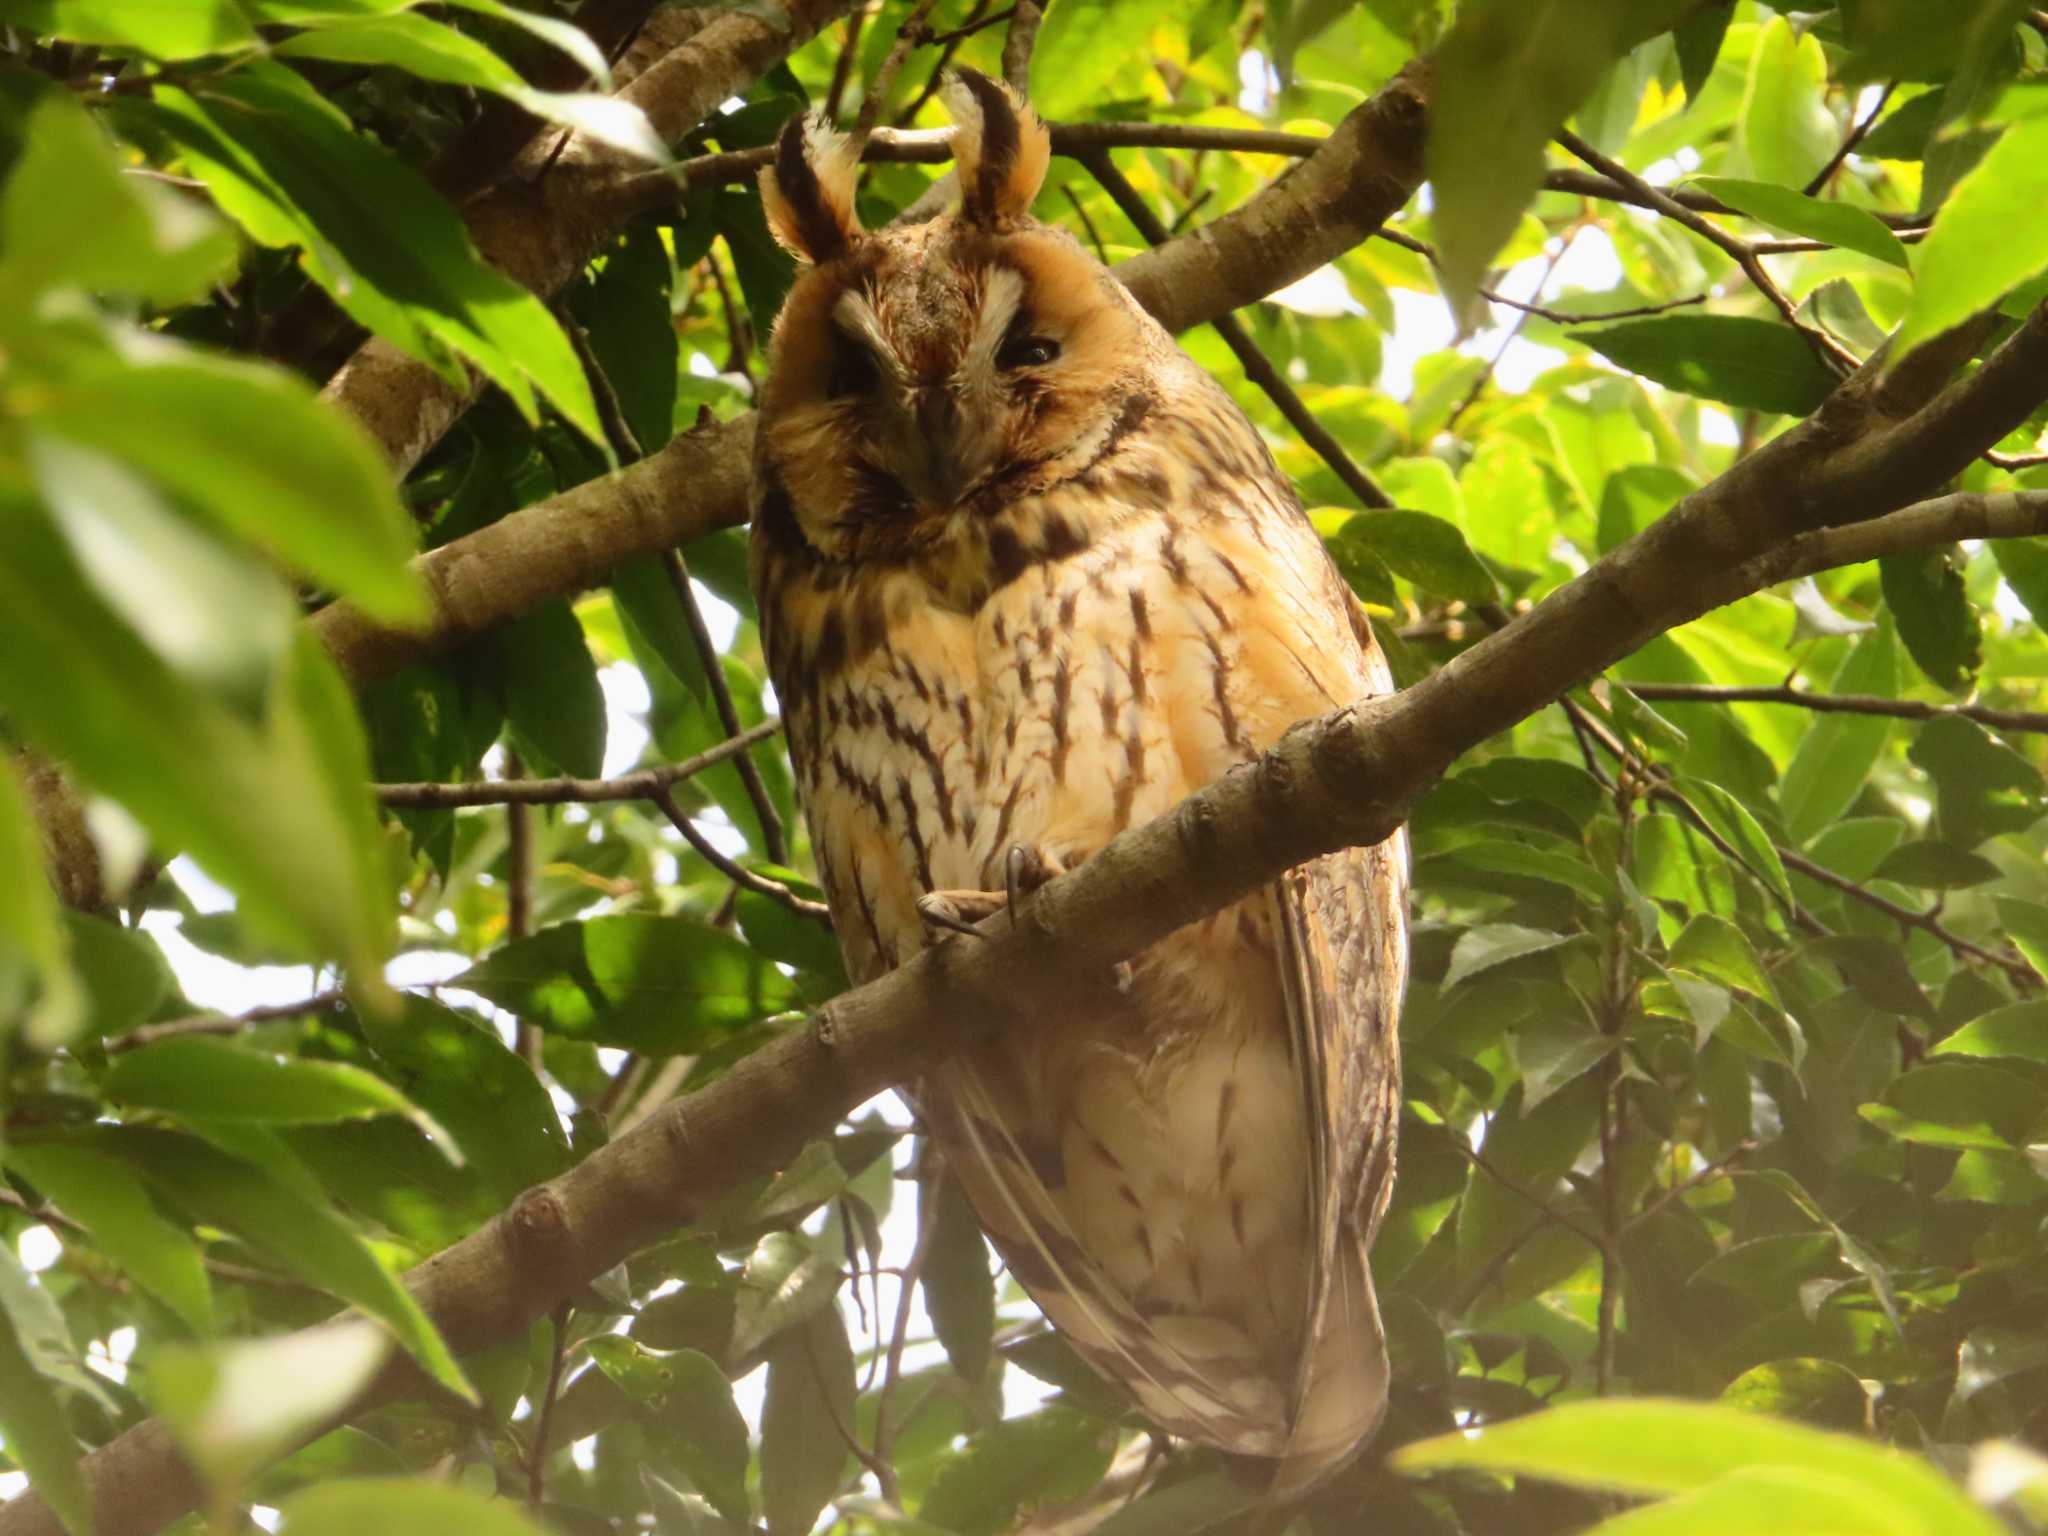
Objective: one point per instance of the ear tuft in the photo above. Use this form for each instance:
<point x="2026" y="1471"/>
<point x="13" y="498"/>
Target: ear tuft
<point x="808" y="190"/>
<point x="1000" y="147"/>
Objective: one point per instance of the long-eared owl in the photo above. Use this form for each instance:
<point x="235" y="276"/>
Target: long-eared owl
<point x="1027" y="576"/>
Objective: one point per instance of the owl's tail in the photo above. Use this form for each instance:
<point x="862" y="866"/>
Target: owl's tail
<point x="1344" y="1383"/>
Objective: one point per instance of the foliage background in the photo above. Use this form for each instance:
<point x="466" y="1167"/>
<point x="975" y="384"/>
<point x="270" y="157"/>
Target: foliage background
<point x="1727" y="1050"/>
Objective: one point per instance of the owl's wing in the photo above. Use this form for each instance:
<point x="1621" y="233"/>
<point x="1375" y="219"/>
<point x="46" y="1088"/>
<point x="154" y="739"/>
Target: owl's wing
<point x="1202" y="1394"/>
<point x="1341" y="959"/>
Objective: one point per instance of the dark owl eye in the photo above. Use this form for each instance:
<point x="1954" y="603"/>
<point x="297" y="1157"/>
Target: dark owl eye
<point x="853" y="372"/>
<point x="1027" y="352"/>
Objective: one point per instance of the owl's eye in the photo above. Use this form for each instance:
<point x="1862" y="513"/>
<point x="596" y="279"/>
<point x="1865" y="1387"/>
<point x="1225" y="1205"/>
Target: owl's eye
<point x="1027" y="352"/>
<point x="853" y="372"/>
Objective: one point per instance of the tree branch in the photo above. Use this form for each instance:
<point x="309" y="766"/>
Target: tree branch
<point x="643" y="785"/>
<point x="1842" y="704"/>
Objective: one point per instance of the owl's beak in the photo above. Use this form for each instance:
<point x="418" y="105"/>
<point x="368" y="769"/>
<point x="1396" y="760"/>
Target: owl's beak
<point x="939" y="470"/>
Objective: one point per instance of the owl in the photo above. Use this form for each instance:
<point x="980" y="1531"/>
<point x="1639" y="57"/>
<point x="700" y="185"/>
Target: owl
<point x="1027" y="576"/>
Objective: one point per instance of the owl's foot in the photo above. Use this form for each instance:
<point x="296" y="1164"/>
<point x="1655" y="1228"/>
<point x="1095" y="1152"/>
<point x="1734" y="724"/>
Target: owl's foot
<point x="1025" y="869"/>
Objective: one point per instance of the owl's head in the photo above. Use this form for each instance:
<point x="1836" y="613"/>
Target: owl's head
<point x="919" y="371"/>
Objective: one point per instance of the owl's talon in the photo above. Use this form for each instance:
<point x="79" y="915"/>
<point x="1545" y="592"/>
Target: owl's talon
<point x="1120" y="977"/>
<point x="1025" y="869"/>
<point x="958" y="911"/>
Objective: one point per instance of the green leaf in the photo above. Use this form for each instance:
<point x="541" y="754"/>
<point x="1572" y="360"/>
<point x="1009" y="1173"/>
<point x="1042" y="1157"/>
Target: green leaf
<point x="211" y="610"/>
<point x="1078" y="49"/>
<point x="2018" y="1030"/>
<point x="764" y="268"/>
<point x="1499" y="856"/>
<point x="1877" y="969"/>
<point x="1771" y="1498"/>
<point x="1839" y="224"/>
<point x="1977" y="250"/>
<point x="1635" y="497"/>
<point x="287" y="168"/>
<point x="274" y="1215"/>
<point x="625" y="310"/>
<point x="39" y="1328"/>
<point x="69" y="218"/>
<point x="1936" y="866"/>
<point x="1820" y="1391"/>
<point x="1786" y="132"/>
<point x="1715" y="947"/>
<point x="1427" y="550"/>
<point x="1730" y="818"/>
<point x="97" y="1191"/>
<point x="166" y="31"/>
<point x="275" y="808"/>
<point x="1924" y="591"/>
<point x="1698" y="38"/>
<point x="309" y="487"/>
<point x="552" y="696"/>
<point x="1508" y="74"/>
<point x="1837" y="752"/>
<point x="1490" y="944"/>
<point x="235" y="1406"/>
<point x="400" y="1507"/>
<point x="2026" y="924"/>
<point x="33" y="1422"/>
<point x="2024" y="565"/>
<point x="662" y="986"/>
<point x="1982" y="787"/>
<point x="37" y="985"/>
<point x="959" y="1287"/>
<point x="124" y="973"/>
<point x="1653" y="1446"/>
<point x="810" y="1395"/>
<point x="207" y="1079"/>
<point x="711" y="1435"/>
<point x="1056" y="1453"/>
<point x="784" y="1282"/>
<point x="1738" y="360"/>
<point x="1960" y="1103"/>
<point x="455" y="1067"/>
<point x="426" y="48"/>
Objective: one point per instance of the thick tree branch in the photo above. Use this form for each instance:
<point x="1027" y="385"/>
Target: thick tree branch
<point x="1346" y="779"/>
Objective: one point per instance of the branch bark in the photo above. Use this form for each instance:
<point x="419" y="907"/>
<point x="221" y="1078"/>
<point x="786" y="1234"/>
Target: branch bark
<point x="1348" y="778"/>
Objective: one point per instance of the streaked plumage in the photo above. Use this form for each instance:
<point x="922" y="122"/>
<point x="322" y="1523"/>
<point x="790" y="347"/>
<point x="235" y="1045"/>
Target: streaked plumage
<point x="1027" y="577"/>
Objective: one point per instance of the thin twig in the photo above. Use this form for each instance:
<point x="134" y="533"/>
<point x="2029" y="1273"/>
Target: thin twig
<point x="1831" y="353"/>
<point x="519" y="894"/>
<point x="1571" y="1224"/>
<point x="1427" y="251"/>
<point x="842" y="66"/>
<point x="2014" y="460"/>
<point x="739" y="341"/>
<point x="2027" y="720"/>
<point x="1848" y="145"/>
<point x="544" y="1412"/>
<point x="892" y="1369"/>
<point x="948" y="44"/>
<point x="1081" y="213"/>
<point x="1514" y="331"/>
<point x="1927" y="922"/>
<point x="222" y="1024"/>
<point x="1608" y="189"/>
<point x="1022" y="38"/>
<point x="641" y="785"/>
<point x="611" y="414"/>
<point x="773" y="842"/>
<point x="1257" y="366"/>
<point x="1706" y="1175"/>
<point x="734" y="871"/>
<point x="912" y="34"/>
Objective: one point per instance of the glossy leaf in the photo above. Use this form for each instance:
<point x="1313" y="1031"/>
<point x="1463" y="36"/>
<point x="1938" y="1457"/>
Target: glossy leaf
<point x="1737" y="360"/>
<point x="1976" y="251"/>
<point x="659" y="985"/>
